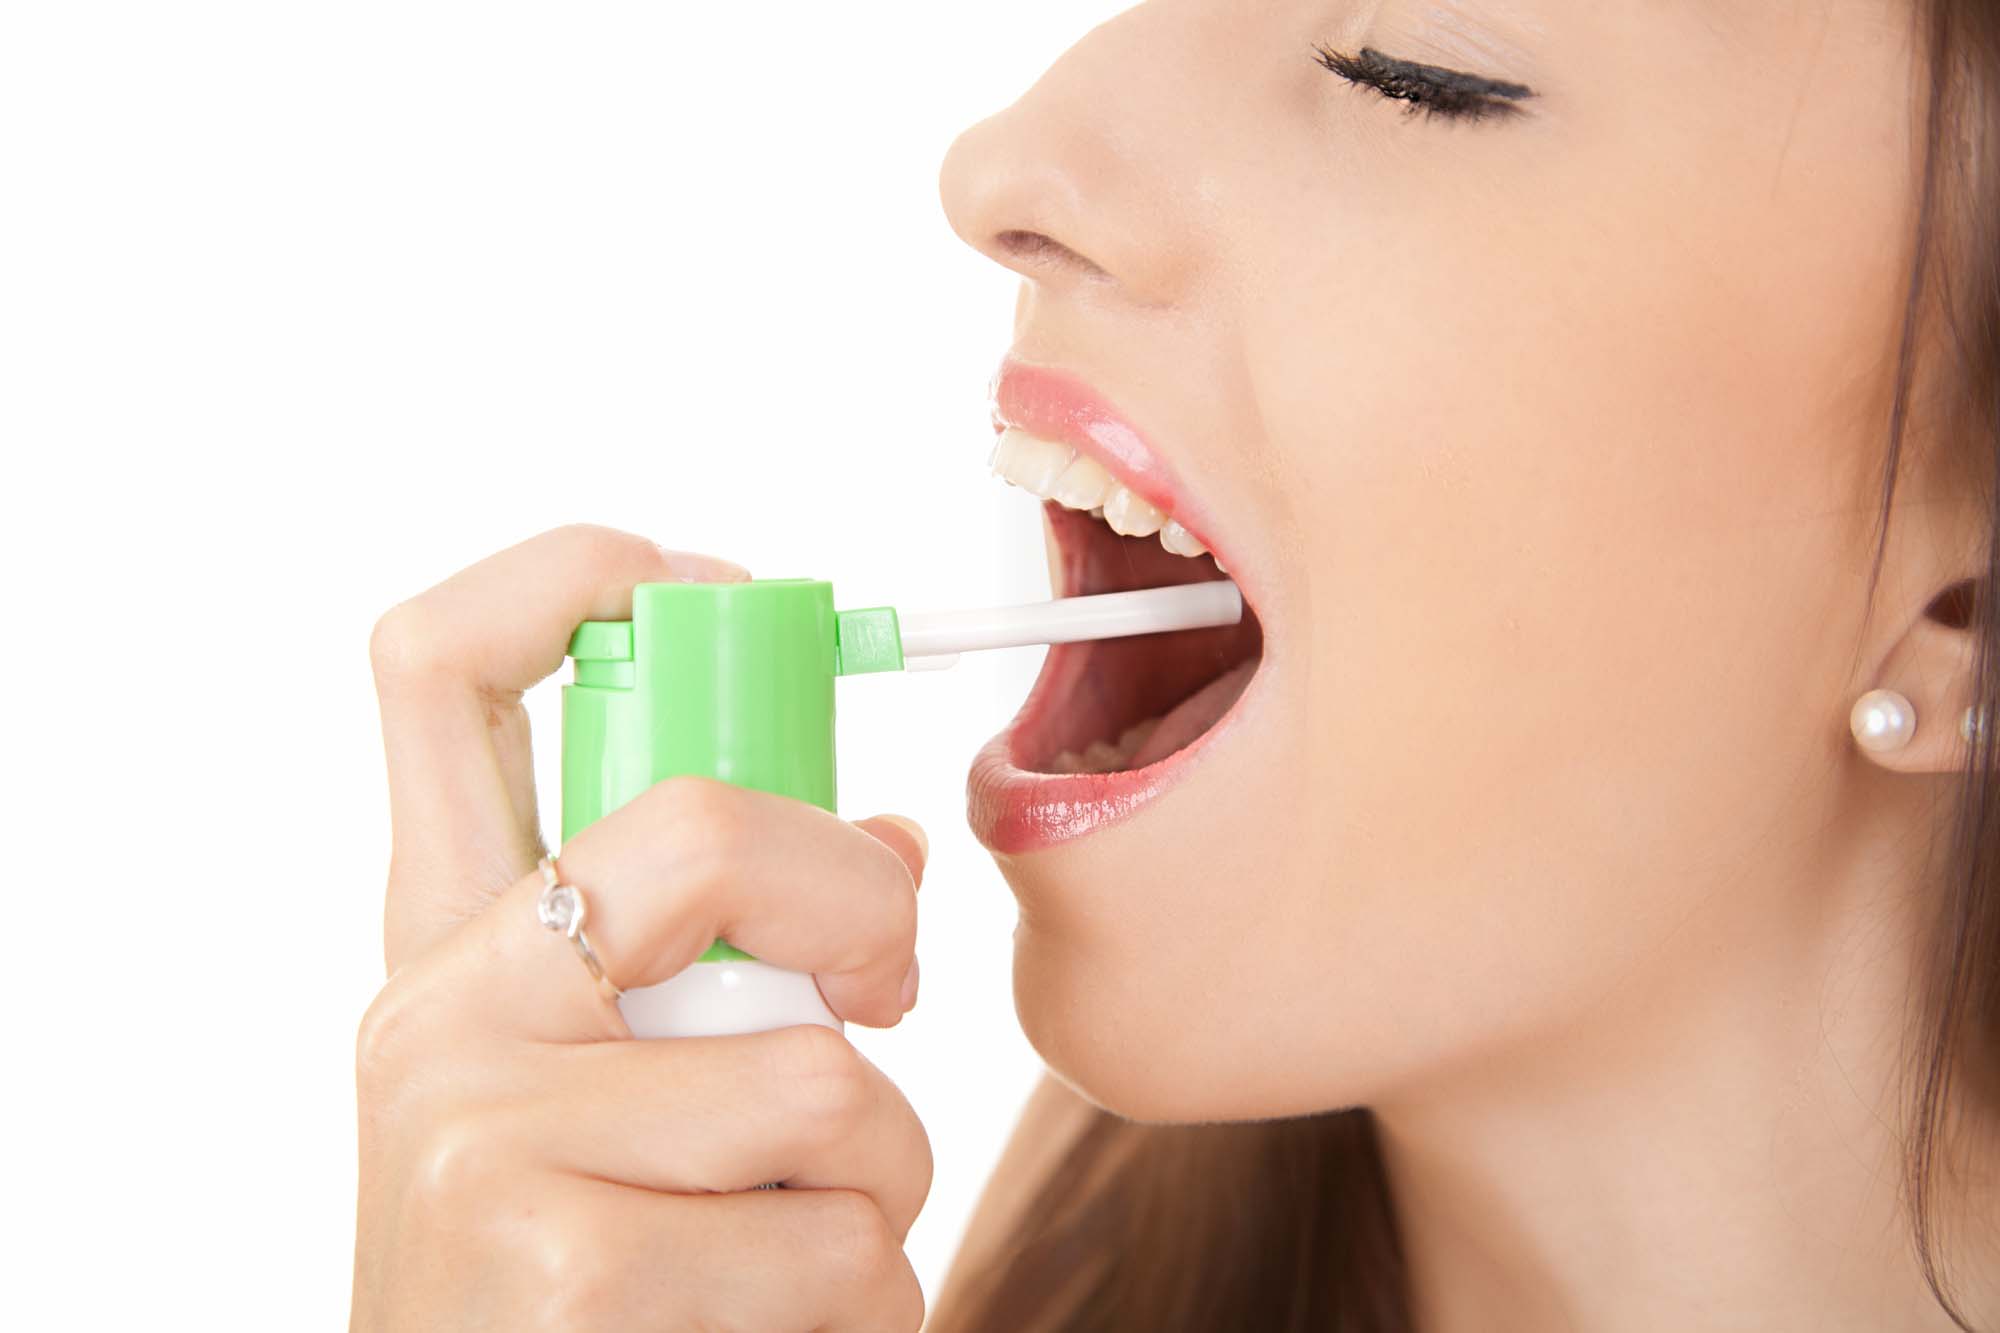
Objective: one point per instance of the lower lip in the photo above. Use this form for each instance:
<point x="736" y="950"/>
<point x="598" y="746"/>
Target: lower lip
<point x="1013" y="810"/>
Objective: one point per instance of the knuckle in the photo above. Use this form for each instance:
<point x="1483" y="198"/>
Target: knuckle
<point x="827" y="1085"/>
<point x="406" y="641"/>
<point x="706" y="829"/>
<point x="903" y="1306"/>
<point x="688" y="798"/>
<point x="915" y="1170"/>
<point x="382" y="1042"/>
<point x="923" y="1167"/>
<point x="606" y="548"/>
<point x="573" y="1258"/>
<point x="458" y="1166"/>
<point x="858" y="1243"/>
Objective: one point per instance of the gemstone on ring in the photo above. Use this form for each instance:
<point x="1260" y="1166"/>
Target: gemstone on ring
<point x="560" y="908"/>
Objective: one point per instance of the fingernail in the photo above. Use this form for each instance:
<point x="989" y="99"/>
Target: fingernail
<point x="915" y="830"/>
<point x="910" y="986"/>
<point x="694" y="567"/>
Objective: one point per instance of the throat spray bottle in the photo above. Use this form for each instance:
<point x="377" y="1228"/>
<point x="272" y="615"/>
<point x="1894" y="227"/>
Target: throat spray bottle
<point x="735" y="681"/>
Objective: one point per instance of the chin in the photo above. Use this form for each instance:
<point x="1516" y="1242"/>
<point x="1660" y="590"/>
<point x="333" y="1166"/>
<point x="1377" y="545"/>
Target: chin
<point x="1131" y="801"/>
<point x="1146" y="973"/>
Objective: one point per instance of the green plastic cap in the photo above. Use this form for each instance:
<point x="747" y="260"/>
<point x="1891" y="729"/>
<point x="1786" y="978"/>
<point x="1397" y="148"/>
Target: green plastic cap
<point x="732" y="681"/>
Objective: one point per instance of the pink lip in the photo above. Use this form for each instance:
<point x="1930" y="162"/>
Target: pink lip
<point x="1057" y="406"/>
<point x="1014" y="810"/>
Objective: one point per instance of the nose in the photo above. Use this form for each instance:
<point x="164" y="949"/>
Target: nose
<point x="1075" y="185"/>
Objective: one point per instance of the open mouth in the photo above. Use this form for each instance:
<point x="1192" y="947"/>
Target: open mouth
<point x="1115" y="705"/>
<point x="1110" y="723"/>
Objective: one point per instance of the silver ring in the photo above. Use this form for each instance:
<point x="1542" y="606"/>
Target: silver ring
<point x="561" y="908"/>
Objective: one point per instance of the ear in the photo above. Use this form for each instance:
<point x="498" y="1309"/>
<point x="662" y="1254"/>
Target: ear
<point x="1931" y="665"/>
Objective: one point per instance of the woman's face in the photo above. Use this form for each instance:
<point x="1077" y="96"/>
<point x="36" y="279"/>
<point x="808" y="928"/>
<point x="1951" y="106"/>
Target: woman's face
<point x="1544" y="446"/>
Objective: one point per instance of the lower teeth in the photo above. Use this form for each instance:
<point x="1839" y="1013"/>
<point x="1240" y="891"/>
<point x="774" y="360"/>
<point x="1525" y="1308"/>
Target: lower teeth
<point x="1105" y="756"/>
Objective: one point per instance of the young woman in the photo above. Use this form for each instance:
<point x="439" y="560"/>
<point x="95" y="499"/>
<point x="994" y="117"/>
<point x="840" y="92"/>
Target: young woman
<point x="1570" y="901"/>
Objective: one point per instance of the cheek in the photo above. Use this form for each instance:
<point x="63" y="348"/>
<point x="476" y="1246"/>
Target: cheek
<point x="1580" y="592"/>
<point x="1546" y="682"/>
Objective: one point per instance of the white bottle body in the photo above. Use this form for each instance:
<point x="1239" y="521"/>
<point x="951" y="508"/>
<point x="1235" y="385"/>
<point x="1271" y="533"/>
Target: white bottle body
<point x="724" y="998"/>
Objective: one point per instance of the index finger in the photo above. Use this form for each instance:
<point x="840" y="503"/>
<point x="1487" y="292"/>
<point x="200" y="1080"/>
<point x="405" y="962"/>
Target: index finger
<point x="691" y="860"/>
<point x="686" y="862"/>
<point x="450" y="667"/>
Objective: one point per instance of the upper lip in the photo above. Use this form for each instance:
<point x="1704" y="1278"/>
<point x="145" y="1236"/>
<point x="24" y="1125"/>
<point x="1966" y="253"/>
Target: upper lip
<point x="1014" y="808"/>
<point x="1058" y="406"/>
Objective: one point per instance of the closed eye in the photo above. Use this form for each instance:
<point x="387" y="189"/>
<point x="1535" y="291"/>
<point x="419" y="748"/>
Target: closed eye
<point x="1432" y="88"/>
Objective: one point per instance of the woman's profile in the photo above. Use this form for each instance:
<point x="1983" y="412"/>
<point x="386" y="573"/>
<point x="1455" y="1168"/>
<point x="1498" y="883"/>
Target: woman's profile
<point x="1570" y="899"/>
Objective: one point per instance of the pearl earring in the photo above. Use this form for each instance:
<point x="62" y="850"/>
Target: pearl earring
<point x="1971" y="723"/>
<point x="1882" y="720"/>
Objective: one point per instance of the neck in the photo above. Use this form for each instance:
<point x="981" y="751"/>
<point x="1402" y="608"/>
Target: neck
<point x="1716" y="1146"/>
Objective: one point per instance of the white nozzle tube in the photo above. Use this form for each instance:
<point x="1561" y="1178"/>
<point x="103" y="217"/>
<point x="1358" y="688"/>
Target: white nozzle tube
<point x="1108" y="615"/>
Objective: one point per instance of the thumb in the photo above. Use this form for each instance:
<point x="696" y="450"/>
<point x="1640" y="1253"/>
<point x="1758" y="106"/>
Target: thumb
<point x="450" y="667"/>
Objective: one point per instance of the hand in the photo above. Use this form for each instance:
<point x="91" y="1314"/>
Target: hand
<point x="526" y="1164"/>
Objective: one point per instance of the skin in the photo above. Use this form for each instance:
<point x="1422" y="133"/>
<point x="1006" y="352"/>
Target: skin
<point x="523" y="1163"/>
<point x="1551" y="447"/>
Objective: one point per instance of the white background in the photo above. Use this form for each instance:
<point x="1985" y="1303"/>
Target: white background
<point x="303" y="307"/>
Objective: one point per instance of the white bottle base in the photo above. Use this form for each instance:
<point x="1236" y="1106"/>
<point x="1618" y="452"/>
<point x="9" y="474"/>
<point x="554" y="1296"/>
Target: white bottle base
<point x="725" y="998"/>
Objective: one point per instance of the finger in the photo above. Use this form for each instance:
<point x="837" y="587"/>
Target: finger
<point x="450" y="666"/>
<point x="905" y="836"/>
<point x="604" y="1255"/>
<point x="688" y="861"/>
<point x="716" y="1114"/>
<point x="696" y="1115"/>
<point x="692" y="860"/>
<point x="911" y="843"/>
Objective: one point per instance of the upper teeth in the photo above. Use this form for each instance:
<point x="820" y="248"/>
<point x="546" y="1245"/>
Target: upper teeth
<point x="1077" y="481"/>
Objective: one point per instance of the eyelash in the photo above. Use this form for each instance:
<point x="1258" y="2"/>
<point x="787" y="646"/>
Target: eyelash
<point x="1436" y="91"/>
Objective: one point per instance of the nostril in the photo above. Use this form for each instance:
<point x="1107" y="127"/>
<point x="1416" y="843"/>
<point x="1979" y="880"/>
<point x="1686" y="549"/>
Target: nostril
<point x="1035" y="247"/>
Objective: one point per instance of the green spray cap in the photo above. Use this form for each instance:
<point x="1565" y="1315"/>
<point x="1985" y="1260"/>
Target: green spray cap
<point x="732" y="681"/>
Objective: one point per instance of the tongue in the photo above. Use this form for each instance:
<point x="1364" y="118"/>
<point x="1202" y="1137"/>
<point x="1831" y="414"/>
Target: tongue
<point x="1194" y="714"/>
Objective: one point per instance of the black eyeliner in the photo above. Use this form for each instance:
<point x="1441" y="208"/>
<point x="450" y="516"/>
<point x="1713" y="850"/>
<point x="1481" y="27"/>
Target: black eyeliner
<point x="1451" y="79"/>
<point x="1432" y="87"/>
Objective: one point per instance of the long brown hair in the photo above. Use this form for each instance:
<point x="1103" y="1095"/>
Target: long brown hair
<point x="1281" y="1225"/>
